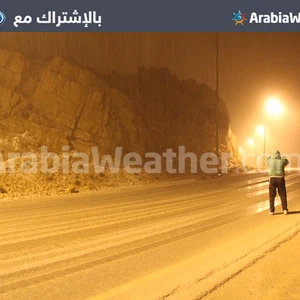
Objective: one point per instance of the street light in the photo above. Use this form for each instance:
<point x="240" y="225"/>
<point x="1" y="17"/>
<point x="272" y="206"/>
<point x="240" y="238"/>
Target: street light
<point x="241" y="153"/>
<point x="217" y="99"/>
<point x="262" y="131"/>
<point x="251" y="143"/>
<point x="273" y="107"/>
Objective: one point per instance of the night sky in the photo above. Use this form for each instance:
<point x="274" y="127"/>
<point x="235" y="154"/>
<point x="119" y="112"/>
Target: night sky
<point x="252" y="68"/>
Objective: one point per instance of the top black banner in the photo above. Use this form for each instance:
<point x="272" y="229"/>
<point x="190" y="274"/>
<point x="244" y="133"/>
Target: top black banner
<point x="150" y="16"/>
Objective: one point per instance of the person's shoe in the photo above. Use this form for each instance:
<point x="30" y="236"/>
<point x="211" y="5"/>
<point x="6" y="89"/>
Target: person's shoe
<point x="271" y="212"/>
<point x="285" y="211"/>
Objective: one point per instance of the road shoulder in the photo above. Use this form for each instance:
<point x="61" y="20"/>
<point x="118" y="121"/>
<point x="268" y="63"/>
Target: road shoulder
<point x="239" y="246"/>
<point x="273" y="277"/>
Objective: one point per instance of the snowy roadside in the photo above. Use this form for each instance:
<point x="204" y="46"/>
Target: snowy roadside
<point x="275" y="276"/>
<point x="239" y="247"/>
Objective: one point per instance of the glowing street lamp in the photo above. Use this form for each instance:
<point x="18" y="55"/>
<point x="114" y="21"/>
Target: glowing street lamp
<point x="251" y="143"/>
<point x="260" y="130"/>
<point x="241" y="152"/>
<point x="273" y="107"/>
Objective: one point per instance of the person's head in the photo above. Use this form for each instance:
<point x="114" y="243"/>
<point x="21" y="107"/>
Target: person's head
<point x="276" y="154"/>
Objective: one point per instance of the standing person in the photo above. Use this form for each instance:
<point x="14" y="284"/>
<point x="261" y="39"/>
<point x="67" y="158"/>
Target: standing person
<point x="276" y="164"/>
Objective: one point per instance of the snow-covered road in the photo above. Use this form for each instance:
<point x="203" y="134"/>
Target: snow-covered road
<point x="103" y="244"/>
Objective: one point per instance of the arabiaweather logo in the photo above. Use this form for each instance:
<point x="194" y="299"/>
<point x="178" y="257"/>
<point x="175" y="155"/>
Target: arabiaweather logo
<point x="239" y="18"/>
<point x="267" y="18"/>
<point x="2" y="18"/>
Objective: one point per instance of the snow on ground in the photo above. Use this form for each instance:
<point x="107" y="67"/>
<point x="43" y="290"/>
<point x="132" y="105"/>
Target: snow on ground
<point x="170" y="241"/>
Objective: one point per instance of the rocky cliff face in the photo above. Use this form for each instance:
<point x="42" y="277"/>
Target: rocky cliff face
<point x="57" y="103"/>
<point x="174" y="112"/>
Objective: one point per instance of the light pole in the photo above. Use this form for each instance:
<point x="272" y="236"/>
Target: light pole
<point x="274" y="108"/>
<point x="217" y="100"/>
<point x="251" y="143"/>
<point x="262" y="131"/>
<point x="241" y="153"/>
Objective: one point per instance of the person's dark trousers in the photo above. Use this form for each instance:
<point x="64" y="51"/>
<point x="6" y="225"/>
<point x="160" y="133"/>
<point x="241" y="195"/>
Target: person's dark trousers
<point x="277" y="183"/>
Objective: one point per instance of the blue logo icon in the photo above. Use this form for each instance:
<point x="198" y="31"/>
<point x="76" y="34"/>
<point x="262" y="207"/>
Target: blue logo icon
<point x="2" y="18"/>
<point x="239" y="18"/>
